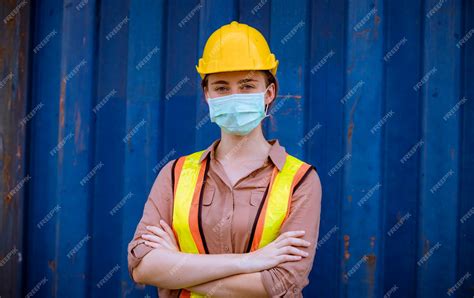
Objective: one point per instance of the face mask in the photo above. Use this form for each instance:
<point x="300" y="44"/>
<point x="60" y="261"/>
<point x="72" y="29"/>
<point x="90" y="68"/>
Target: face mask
<point x="238" y="114"/>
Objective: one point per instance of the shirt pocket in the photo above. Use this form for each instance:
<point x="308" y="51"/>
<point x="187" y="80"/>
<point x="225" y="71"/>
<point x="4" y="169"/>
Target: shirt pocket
<point x="208" y="195"/>
<point x="256" y="197"/>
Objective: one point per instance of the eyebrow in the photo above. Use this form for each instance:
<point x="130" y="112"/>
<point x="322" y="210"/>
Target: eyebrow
<point x="246" y="81"/>
<point x="239" y="82"/>
<point x="220" y="82"/>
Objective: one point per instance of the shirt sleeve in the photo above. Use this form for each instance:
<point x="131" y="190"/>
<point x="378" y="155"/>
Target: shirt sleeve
<point x="158" y="206"/>
<point x="288" y="279"/>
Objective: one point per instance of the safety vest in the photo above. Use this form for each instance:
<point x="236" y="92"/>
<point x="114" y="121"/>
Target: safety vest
<point x="188" y="180"/>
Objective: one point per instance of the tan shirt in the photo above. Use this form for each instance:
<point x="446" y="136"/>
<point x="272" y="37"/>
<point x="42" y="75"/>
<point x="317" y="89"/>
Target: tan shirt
<point x="229" y="213"/>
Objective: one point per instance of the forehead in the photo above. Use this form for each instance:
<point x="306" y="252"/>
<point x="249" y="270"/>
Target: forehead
<point x="236" y="76"/>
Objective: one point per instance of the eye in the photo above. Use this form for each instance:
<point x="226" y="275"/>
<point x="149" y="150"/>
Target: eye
<point x="220" y="89"/>
<point x="247" y="87"/>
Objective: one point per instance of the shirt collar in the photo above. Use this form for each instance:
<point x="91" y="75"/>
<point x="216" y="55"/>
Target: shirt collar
<point x="277" y="153"/>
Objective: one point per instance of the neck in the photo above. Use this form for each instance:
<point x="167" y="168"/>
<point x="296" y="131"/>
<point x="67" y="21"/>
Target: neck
<point x="237" y="148"/>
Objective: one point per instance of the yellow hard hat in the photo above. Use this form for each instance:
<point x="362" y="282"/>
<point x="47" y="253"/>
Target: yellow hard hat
<point x="234" y="47"/>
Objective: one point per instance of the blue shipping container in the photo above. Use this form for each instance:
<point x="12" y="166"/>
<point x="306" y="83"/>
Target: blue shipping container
<point x="378" y="95"/>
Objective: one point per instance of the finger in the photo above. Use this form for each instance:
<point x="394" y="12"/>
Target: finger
<point x="290" y="234"/>
<point x="168" y="230"/>
<point x="152" y="238"/>
<point x="151" y="244"/>
<point x="157" y="241"/>
<point x="293" y="242"/>
<point x="288" y="258"/>
<point x="159" y="232"/>
<point x="290" y="250"/>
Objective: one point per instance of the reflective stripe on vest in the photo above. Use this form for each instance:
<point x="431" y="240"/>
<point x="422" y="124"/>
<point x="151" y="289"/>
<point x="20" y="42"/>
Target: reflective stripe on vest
<point x="188" y="181"/>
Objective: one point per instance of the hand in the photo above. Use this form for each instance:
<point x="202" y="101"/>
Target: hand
<point x="283" y="249"/>
<point x="161" y="237"/>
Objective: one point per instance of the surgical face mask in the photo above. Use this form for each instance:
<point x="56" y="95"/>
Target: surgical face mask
<point x="238" y="114"/>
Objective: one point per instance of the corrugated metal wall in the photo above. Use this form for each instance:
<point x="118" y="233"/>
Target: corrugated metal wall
<point x="377" y="94"/>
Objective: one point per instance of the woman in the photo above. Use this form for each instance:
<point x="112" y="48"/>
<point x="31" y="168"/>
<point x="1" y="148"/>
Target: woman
<point x="240" y="218"/>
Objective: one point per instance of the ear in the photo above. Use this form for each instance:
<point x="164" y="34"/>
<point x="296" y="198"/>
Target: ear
<point x="206" y="94"/>
<point x="270" y="94"/>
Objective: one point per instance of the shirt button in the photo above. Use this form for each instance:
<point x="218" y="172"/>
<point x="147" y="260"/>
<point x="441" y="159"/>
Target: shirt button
<point x="226" y="248"/>
<point x="295" y="290"/>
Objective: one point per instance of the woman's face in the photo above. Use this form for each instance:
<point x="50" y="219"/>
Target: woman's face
<point x="231" y="82"/>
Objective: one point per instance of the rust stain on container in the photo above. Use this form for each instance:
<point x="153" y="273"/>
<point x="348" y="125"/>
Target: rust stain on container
<point x="426" y="246"/>
<point x="78" y="136"/>
<point x="7" y="179"/>
<point x="372" y="242"/>
<point x="289" y="96"/>
<point x="347" y="255"/>
<point x="52" y="265"/>
<point x="349" y="131"/>
<point x="62" y="99"/>
<point x="371" y="260"/>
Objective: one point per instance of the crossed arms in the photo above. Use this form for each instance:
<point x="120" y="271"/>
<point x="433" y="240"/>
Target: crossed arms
<point x="219" y="275"/>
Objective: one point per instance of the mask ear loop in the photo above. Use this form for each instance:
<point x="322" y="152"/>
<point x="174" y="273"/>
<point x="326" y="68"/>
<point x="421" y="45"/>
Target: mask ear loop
<point x="267" y="105"/>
